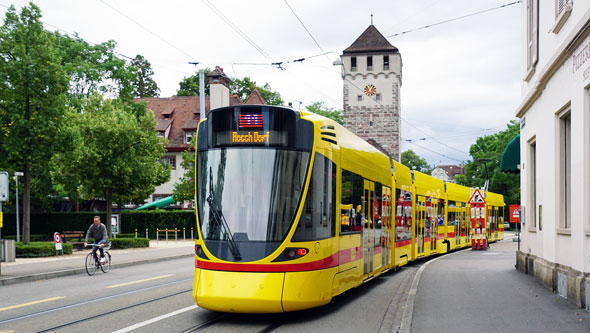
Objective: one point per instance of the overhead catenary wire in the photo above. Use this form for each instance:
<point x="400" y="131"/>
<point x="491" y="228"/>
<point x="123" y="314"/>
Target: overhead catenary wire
<point x="454" y="19"/>
<point x="148" y="30"/>
<point x="237" y="29"/>
<point x="307" y="30"/>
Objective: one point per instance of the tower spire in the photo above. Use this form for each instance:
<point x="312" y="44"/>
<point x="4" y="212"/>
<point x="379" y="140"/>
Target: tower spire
<point x="371" y="18"/>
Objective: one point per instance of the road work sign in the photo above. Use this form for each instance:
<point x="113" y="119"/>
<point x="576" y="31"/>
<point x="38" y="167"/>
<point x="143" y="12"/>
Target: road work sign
<point x="514" y="213"/>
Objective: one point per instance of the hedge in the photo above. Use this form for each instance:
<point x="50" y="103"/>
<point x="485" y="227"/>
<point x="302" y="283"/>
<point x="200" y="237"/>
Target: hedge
<point x="39" y="249"/>
<point x="125" y="243"/>
<point x="46" y="224"/>
<point x="34" y="238"/>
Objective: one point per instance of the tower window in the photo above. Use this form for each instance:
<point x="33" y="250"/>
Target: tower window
<point x="378" y="96"/>
<point x="386" y="62"/>
<point x="359" y="98"/>
<point x="369" y="63"/>
<point x="353" y="64"/>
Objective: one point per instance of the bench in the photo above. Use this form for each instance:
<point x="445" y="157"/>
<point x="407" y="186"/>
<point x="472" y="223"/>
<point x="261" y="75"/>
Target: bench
<point x="76" y="238"/>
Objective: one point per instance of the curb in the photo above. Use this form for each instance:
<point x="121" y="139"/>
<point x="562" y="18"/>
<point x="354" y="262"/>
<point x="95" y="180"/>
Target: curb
<point x="76" y="271"/>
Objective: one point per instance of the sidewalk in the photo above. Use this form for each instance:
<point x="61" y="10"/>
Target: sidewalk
<point x="35" y="269"/>
<point x="471" y="291"/>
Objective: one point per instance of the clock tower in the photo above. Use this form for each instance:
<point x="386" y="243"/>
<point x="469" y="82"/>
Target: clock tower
<point x="372" y="74"/>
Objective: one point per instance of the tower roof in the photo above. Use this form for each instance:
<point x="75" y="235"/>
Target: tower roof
<point x="371" y="40"/>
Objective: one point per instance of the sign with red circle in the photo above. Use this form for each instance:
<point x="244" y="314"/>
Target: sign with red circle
<point x="57" y="239"/>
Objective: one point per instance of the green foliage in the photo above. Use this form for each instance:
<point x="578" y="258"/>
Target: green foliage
<point x="40" y="249"/>
<point x="184" y="190"/>
<point x="189" y="86"/>
<point x="34" y="238"/>
<point x="45" y="224"/>
<point x="143" y="83"/>
<point x="244" y="87"/>
<point x="410" y="159"/>
<point x="157" y="219"/>
<point x="126" y="243"/>
<point x="487" y="153"/>
<point x="33" y="88"/>
<point x="95" y="69"/>
<point x="328" y="112"/>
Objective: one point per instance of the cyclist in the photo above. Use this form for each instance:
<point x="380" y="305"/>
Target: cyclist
<point x="98" y="231"/>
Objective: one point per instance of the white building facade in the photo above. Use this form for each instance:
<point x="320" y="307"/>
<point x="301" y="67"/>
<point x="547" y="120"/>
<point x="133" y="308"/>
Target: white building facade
<point x="555" y="146"/>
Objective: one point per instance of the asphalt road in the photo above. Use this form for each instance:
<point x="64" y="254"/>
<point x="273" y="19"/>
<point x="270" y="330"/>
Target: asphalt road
<point x="157" y="298"/>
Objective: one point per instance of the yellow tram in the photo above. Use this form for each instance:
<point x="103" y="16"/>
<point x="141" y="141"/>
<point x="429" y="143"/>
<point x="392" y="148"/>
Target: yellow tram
<point x="293" y="209"/>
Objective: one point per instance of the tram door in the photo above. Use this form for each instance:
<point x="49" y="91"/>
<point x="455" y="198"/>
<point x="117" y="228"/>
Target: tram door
<point x="368" y="227"/>
<point x="420" y="224"/>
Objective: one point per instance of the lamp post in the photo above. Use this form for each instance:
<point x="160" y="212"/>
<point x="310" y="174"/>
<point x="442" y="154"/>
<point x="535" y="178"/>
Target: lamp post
<point x="16" y="175"/>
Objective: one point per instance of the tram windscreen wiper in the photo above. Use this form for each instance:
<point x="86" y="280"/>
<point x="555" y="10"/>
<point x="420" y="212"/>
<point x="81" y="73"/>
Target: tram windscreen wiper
<point x="218" y="216"/>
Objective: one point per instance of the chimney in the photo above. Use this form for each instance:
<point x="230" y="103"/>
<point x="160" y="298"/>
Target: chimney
<point x="218" y="88"/>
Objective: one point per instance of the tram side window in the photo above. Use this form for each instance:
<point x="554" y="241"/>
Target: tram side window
<point x="451" y="216"/>
<point x="317" y="219"/>
<point x="403" y="215"/>
<point x="351" y="207"/>
<point x="377" y="215"/>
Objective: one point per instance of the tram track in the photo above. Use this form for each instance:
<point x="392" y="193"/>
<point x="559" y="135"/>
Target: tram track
<point x="202" y="326"/>
<point x="114" y="311"/>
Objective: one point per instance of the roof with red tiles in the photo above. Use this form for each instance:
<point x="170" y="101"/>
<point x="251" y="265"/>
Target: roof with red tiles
<point x="452" y="170"/>
<point x="371" y="40"/>
<point x="182" y="114"/>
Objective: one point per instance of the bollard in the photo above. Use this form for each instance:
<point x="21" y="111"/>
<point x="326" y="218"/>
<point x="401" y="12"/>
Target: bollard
<point x="183" y="233"/>
<point x="157" y="236"/>
<point x="175" y="235"/>
<point x="135" y="232"/>
<point x="146" y="233"/>
<point x="166" y="236"/>
<point x="192" y="233"/>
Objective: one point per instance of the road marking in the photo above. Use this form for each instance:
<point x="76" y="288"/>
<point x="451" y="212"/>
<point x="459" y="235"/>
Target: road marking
<point x="31" y="303"/>
<point x="140" y="281"/>
<point x="490" y="253"/>
<point x="153" y="320"/>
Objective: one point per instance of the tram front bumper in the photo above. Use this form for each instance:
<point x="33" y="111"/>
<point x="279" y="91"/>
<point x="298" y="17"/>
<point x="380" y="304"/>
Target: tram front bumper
<point x="241" y="292"/>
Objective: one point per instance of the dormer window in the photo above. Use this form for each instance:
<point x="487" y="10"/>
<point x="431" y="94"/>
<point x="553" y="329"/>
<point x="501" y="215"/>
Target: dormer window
<point x="188" y="136"/>
<point x="160" y="134"/>
<point x="166" y="116"/>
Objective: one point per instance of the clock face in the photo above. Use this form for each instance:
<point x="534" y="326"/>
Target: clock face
<point x="370" y="90"/>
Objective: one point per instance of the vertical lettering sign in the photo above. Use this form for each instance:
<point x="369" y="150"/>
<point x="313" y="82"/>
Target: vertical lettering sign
<point x="253" y="124"/>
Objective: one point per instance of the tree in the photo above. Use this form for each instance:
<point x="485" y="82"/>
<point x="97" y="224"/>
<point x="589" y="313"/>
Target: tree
<point x="117" y="153"/>
<point x="486" y="154"/>
<point x="323" y="110"/>
<point x="184" y="190"/>
<point x="33" y="87"/>
<point x="189" y="86"/>
<point x="143" y="84"/>
<point x="95" y="69"/>
<point x="244" y="87"/>
<point x="415" y="162"/>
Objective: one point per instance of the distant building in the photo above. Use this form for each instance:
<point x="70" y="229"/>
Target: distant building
<point x="372" y="74"/>
<point x="447" y="172"/>
<point x="178" y="118"/>
<point x="555" y="146"/>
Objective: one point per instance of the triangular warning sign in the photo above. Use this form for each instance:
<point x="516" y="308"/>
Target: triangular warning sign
<point x="476" y="197"/>
<point x="515" y="213"/>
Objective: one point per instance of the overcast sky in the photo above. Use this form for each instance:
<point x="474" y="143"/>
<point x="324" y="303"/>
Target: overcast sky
<point x="460" y="80"/>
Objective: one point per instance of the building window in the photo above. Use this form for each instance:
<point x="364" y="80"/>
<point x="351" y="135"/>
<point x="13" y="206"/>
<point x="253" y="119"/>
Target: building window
<point x="378" y="96"/>
<point x="169" y="160"/>
<point x="565" y="137"/>
<point x="160" y="134"/>
<point x="359" y="98"/>
<point x="188" y="136"/>
<point x="532" y="33"/>
<point x="369" y="63"/>
<point x="353" y="64"/>
<point x="532" y="180"/>
<point x="385" y="62"/>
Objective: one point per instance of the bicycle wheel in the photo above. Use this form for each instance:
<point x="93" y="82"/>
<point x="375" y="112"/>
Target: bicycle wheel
<point x="90" y="264"/>
<point x="106" y="266"/>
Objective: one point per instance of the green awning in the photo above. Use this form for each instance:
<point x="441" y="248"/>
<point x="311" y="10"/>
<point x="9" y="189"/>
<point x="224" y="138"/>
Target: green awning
<point x="158" y="203"/>
<point x="511" y="156"/>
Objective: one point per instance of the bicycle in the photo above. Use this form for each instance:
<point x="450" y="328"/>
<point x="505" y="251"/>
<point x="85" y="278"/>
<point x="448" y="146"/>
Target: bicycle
<point x="93" y="263"/>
